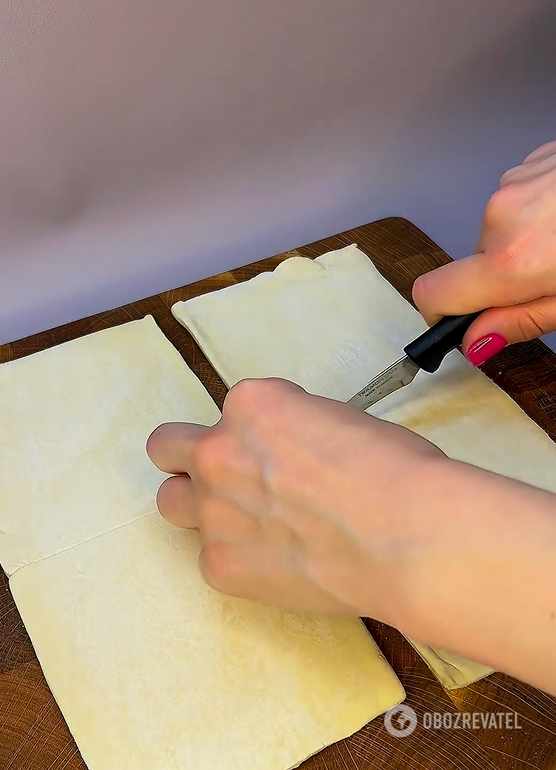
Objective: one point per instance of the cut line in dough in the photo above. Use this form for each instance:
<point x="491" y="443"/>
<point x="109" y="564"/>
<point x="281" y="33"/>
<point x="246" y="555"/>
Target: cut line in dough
<point x="63" y="409"/>
<point x="153" y="669"/>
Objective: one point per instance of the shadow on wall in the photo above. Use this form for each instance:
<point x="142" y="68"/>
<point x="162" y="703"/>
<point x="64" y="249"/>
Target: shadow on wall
<point x="463" y="128"/>
<point x="488" y="115"/>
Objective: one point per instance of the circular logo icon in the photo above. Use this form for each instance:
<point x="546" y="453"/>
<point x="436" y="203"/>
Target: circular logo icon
<point x="400" y="721"/>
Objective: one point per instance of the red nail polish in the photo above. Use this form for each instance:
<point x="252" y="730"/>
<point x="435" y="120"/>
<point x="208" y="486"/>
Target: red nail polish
<point x="485" y="348"/>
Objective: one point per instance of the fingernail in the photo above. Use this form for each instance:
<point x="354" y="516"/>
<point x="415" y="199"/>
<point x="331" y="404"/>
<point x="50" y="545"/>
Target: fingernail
<point x="484" y="349"/>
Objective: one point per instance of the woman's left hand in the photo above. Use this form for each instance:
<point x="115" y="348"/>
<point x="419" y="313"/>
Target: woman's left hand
<point x="301" y="501"/>
<point x="311" y="505"/>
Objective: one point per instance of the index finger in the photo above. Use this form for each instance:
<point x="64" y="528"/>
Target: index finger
<point x="171" y="447"/>
<point x="484" y="280"/>
<point x="454" y="288"/>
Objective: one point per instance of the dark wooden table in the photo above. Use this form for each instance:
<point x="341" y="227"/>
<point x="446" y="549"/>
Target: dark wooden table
<point x="33" y="734"/>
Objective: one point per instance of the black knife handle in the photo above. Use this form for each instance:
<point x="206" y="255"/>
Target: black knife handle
<point x="429" y="350"/>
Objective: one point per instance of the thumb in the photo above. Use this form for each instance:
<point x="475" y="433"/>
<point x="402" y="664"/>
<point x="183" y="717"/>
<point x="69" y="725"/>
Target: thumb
<point x="498" y="327"/>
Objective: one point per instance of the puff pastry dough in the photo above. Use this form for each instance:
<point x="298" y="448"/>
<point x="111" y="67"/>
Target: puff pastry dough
<point x="150" y="667"/>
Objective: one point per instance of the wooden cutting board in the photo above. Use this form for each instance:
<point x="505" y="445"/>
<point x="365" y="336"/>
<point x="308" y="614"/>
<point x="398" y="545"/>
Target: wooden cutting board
<point x="33" y="734"/>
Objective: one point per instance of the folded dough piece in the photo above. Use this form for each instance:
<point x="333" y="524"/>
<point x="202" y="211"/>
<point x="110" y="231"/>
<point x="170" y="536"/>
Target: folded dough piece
<point x="454" y="672"/>
<point x="73" y="425"/>
<point x="332" y="324"/>
<point x="150" y="667"/>
<point x="155" y="670"/>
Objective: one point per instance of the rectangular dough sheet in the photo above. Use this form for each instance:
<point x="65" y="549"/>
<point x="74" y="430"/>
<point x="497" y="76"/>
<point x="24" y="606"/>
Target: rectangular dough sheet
<point x="151" y="668"/>
<point x="73" y="425"/>
<point x="155" y="671"/>
<point x="330" y="325"/>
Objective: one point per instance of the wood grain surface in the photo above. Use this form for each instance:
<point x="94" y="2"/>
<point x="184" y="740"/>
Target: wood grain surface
<point x="33" y="734"/>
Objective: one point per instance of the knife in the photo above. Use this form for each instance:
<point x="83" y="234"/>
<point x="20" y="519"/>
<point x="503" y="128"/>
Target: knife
<point x="426" y="352"/>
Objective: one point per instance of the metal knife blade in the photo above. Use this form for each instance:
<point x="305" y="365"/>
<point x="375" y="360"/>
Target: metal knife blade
<point x="395" y="377"/>
<point x="426" y="352"/>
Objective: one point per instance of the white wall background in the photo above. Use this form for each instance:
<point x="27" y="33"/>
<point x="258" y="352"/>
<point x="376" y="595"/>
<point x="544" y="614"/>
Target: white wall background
<point x="148" y="143"/>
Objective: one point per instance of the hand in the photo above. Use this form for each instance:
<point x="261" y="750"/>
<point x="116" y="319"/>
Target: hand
<point x="313" y="506"/>
<point x="513" y="271"/>
<point x="300" y="501"/>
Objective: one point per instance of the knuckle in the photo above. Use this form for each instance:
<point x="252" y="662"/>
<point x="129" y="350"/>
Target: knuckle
<point x="498" y="207"/>
<point x="215" y="565"/>
<point x="520" y="260"/>
<point x="508" y="260"/>
<point x="241" y="394"/>
<point x="253" y="394"/>
<point x="537" y="322"/>
<point x="545" y="150"/>
<point x="509" y="176"/>
<point x="528" y="328"/>
<point x="210" y="455"/>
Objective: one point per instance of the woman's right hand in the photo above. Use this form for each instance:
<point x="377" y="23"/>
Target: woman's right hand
<point x="513" y="272"/>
